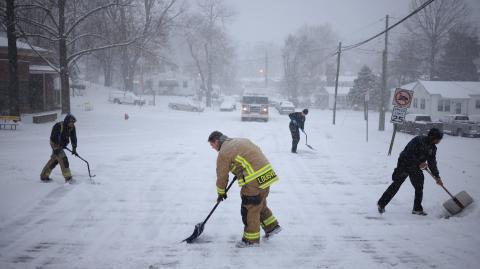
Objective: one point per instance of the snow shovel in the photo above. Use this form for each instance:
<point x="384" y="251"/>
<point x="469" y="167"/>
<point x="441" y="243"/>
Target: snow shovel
<point x="306" y="140"/>
<point x="88" y="166"/>
<point x="199" y="227"/>
<point x="458" y="202"/>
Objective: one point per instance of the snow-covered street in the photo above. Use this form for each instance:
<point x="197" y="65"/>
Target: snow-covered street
<point x="156" y="180"/>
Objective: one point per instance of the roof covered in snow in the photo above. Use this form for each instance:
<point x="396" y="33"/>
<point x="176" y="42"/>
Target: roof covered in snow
<point x="41" y="69"/>
<point x="447" y="89"/>
<point x="452" y="89"/>
<point x="20" y="44"/>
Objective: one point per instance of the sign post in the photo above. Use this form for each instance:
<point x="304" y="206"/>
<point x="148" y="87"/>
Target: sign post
<point x="401" y="102"/>
<point x="367" y="99"/>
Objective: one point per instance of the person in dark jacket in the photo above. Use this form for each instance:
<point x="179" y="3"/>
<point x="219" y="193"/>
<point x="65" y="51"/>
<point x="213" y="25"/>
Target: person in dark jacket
<point x="297" y="121"/>
<point x="62" y="134"/>
<point x="420" y="153"/>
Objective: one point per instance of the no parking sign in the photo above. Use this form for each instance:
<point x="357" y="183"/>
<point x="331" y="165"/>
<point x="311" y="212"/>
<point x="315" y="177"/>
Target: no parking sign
<point x="402" y="99"/>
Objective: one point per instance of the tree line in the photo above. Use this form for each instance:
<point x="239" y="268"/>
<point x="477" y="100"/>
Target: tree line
<point x="120" y="38"/>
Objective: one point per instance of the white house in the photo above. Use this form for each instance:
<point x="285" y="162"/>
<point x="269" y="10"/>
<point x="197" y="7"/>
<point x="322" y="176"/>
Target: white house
<point x="439" y="98"/>
<point x="342" y="97"/>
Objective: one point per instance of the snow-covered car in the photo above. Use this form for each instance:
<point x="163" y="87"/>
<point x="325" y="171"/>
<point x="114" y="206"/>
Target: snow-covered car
<point x="124" y="97"/>
<point x="186" y="106"/>
<point x="228" y="104"/>
<point x="285" y="107"/>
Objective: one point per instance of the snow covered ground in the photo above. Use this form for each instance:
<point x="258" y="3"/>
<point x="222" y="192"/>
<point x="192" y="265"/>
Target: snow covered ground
<point x="156" y="175"/>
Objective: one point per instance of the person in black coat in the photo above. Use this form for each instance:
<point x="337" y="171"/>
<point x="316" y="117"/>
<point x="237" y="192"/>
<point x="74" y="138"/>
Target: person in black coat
<point x="297" y="121"/>
<point x="420" y="153"/>
<point x="62" y="134"/>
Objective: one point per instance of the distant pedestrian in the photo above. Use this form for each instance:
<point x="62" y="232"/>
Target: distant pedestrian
<point x="297" y="121"/>
<point x="420" y="153"/>
<point x="62" y="134"/>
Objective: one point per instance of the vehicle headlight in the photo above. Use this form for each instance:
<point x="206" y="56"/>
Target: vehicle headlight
<point x="244" y="108"/>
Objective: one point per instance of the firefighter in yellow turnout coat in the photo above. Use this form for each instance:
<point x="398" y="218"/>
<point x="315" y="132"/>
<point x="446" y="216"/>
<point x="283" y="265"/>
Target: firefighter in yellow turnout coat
<point x="255" y="175"/>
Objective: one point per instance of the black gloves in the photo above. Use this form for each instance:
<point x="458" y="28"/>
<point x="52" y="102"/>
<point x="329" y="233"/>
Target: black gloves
<point x="221" y="197"/>
<point x="74" y="150"/>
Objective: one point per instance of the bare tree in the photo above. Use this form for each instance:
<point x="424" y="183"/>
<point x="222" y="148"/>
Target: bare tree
<point x="150" y="20"/>
<point x="208" y="42"/>
<point x="13" y="87"/>
<point x="305" y="54"/>
<point x="432" y="25"/>
<point x="61" y="20"/>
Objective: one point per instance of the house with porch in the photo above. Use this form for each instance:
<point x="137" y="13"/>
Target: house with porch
<point x="37" y="80"/>
<point x="440" y="98"/>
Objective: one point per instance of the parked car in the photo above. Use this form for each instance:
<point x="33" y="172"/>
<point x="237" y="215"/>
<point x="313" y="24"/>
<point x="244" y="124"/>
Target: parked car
<point x="285" y="107"/>
<point x="460" y="125"/>
<point x="186" y="106"/>
<point x="228" y="104"/>
<point x="475" y="118"/>
<point x="124" y="97"/>
<point x="254" y="107"/>
<point x="418" y="124"/>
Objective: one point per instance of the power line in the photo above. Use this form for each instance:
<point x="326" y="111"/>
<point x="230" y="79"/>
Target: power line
<point x="424" y="5"/>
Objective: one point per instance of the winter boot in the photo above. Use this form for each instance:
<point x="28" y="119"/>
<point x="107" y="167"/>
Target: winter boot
<point x="419" y="212"/>
<point x="46" y="180"/>
<point x="274" y="231"/>
<point x="69" y="180"/>
<point x="246" y="244"/>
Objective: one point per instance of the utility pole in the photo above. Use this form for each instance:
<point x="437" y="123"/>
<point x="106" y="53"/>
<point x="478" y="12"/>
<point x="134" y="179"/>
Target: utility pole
<point x="266" y="69"/>
<point x="336" y="81"/>
<point x="381" y="120"/>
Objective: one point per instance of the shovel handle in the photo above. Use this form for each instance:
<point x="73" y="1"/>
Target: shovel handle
<point x="218" y="202"/>
<point x="453" y="197"/>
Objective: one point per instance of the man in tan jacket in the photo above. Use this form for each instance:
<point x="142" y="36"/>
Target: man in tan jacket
<point x="255" y="175"/>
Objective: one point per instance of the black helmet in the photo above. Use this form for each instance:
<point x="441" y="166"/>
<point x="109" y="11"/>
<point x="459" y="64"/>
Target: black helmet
<point x="434" y="133"/>
<point x="305" y="111"/>
<point x="69" y="118"/>
<point x="215" y="135"/>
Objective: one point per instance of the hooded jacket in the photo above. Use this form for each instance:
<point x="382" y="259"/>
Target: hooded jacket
<point x="297" y="119"/>
<point x="62" y="134"/>
<point x="419" y="150"/>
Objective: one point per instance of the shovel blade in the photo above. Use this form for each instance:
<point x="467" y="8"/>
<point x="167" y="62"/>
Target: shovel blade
<point x="196" y="233"/>
<point x="453" y="207"/>
<point x="310" y="147"/>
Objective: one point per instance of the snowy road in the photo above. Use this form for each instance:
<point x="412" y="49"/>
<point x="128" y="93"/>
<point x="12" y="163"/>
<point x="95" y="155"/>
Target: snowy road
<point x="156" y="176"/>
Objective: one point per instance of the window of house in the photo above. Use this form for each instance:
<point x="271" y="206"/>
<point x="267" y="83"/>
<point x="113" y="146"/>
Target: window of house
<point x="422" y="103"/>
<point x="477" y="104"/>
<point x="444" y="105"/>
<point x="415" y="103"/>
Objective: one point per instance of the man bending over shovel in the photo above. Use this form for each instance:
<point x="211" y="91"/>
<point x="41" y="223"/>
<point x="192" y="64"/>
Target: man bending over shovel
<point x="255" y="175"/>
<point x="418" y="154"/>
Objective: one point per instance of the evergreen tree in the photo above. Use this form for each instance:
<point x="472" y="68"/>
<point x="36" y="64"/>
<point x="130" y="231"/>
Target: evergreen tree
<point x="461" y="49"/>
<point x="366" y="81"/>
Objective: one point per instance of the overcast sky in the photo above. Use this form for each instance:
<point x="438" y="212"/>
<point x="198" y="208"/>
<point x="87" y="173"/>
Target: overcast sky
<point x="273" y="20"/>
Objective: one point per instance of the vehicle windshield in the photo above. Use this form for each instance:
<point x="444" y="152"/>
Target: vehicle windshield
<point x="461" y="118"/>
<point x="255" y="100"/>
<point x="423" y="118"/>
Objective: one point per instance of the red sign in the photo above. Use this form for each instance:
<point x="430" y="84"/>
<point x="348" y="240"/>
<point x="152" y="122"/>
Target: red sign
<point x="402" y="98"/>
